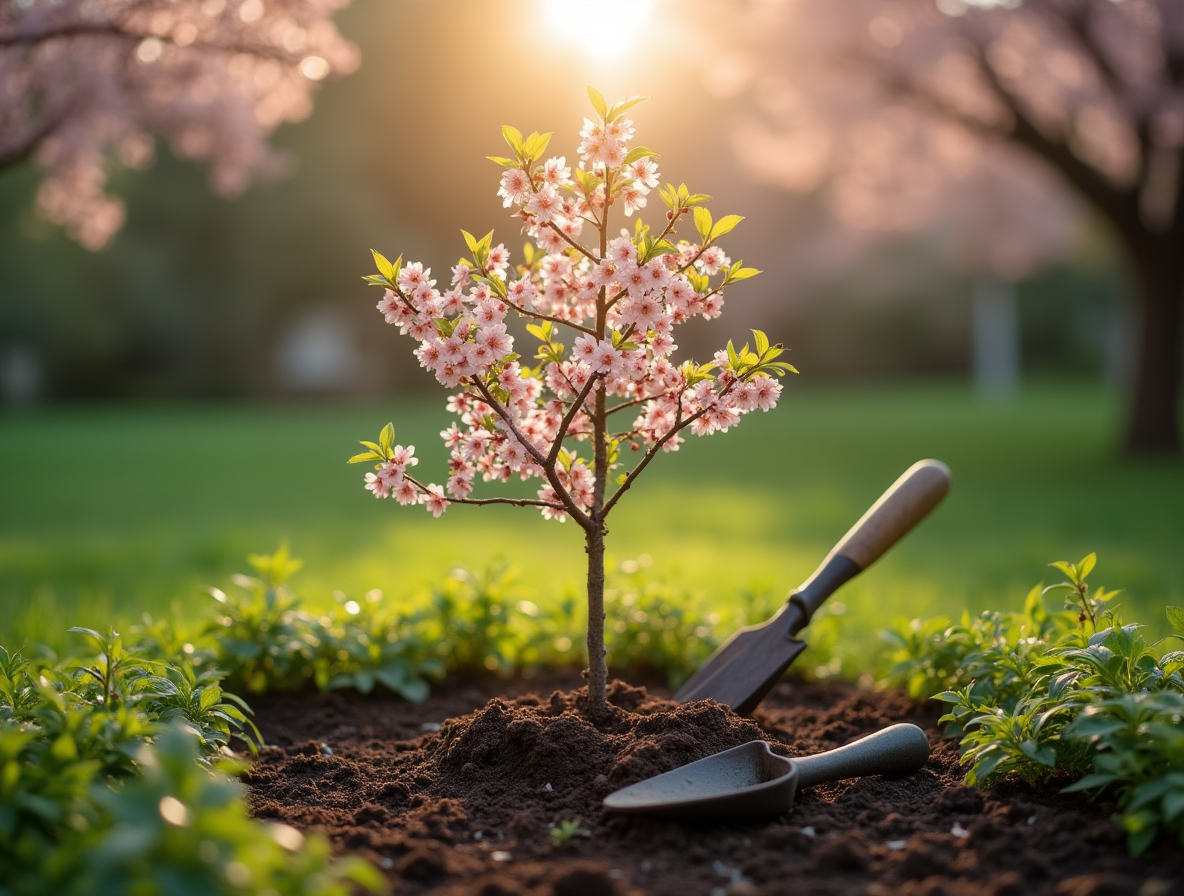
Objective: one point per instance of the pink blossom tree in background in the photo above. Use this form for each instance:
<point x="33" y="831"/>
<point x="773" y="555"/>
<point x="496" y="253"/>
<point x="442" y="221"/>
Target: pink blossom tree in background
<point x="603" y="303"/>
<point x="86" y="85"/>
<point x="983" y="119"/>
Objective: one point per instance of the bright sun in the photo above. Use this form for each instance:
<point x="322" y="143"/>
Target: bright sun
<point x="604" y="29"/>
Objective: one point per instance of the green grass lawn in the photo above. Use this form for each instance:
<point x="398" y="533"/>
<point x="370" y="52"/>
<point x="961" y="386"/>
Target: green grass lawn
<point x="109" y="511"/>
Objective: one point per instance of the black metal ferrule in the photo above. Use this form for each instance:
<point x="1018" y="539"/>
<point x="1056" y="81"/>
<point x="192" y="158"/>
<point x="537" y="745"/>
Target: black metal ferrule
<point x="827" y="579"/>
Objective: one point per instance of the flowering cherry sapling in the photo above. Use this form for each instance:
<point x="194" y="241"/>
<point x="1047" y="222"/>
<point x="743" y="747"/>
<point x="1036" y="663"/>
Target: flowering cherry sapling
<point x="603" y="306"/>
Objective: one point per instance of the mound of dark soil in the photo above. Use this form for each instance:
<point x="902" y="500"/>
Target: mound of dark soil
<point x="459" y="797"/>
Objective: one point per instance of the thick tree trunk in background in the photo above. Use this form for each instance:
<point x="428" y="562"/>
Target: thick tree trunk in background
<point x="1154" y="423"/>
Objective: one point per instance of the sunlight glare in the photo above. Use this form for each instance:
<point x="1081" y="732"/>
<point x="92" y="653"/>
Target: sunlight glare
<point x="604" y="29"/>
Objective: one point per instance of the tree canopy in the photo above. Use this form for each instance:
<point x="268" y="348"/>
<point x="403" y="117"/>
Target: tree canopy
<point x="89" y="85"/>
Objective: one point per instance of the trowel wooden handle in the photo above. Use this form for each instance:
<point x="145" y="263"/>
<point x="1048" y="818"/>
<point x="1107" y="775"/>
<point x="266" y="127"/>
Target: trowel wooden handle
<point x="895" y="750"/>
<point x="905" y="504"/>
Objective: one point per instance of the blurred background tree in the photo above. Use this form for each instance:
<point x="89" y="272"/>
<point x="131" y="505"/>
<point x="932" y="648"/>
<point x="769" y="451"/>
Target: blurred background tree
<point x="983" y="121"/>
<point x="88" y="83"/>
<point x="200" y="297"/>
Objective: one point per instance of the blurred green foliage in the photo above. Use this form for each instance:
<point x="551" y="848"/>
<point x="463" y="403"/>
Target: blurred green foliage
<point x="108" y="512"/>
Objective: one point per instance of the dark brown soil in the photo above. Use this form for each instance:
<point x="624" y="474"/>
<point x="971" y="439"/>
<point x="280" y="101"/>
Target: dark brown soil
<point x="459" y="796"/>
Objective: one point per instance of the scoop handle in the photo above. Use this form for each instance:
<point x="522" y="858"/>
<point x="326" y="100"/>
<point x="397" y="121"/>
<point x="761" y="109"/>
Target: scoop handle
<point x="891" y="751"/>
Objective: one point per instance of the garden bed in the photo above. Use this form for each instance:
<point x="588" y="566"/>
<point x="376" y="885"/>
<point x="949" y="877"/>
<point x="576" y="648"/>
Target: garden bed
<point x="460" y="795"/>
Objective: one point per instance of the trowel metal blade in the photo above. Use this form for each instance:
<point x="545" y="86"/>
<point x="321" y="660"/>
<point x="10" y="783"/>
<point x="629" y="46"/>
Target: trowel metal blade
<point x="745" y="668"/>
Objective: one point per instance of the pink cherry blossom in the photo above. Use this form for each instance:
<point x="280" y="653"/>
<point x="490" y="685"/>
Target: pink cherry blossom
<point x="556" y="173"/>
<point x="544" y="204"/>
<point x="634" y="198"/>
<point x="434" y="500"/>
<point x="515" y="187"/>
<point x="645" y="173"/>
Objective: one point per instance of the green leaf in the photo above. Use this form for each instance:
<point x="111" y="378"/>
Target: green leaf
<point x="364" y="457"/>
<point x="470" y="241"/>
<point x="209" y="696"/>
<point x="503" y="161"/>
<point x="513" y="137"/>
<point x="618" y="109"/>
<point x="537" y="144"/>
<point x="64" y="749"/>
<point x="384" y="266"/>
<point x="1067" y="568"/>
<point x="761" y="341"/>
<point x="387" y="439"/>
<point x="640" y="152"/>
<point x="724" y="225"/>
<point x="598" y="102"/>
<point x="1097" y="779"/>
<point x="1034" y="607"/>
<point x="947" y="697"/>
<point x="703" y="223"/>
<point x="1176" y="620"/>
<point x="1173" y="805"/>
<point x="1086" y="565"/>
<point x="742" y="274"/>
<point x="78" y="629"/>
<point x="542" y="331"/>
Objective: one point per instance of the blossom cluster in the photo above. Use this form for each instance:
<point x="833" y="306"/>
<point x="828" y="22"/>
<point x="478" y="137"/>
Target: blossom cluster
<point x="620" y="300"/>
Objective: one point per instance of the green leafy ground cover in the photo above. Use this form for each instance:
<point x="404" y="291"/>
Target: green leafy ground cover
<point x="109" y="511"/>
<point x="1078" y="699"/>
<point x="1075" y="699"/>
<point x="114" y="779"/>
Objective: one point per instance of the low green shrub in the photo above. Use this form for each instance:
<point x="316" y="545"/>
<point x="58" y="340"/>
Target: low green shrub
<point x="263" y="637"/>
<point x="114" y="778"/>
<point x="1076" y="697"/>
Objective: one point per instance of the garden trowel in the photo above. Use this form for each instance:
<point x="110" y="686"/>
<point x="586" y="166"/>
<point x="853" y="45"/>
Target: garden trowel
<point x="746" y="667"/>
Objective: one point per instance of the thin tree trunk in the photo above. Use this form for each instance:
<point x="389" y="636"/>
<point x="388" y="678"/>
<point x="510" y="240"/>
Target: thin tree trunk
<point x="594" y="534"/>
<point x="597" y="666"/>
<point x="1154" y="425"/>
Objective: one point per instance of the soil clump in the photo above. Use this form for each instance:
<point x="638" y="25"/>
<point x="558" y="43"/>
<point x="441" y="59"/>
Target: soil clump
<point x="459" y="797"/>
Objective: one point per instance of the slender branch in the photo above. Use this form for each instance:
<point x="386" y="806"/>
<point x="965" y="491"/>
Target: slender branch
<point x="111" y="29"/>
<point x="698" y="255"/>
<point x="573" y="243"/>
<point x="576" y="405"/>
<point x="624" y="292"/>
<point x="569" y="505"/>
<point x="517" y="502"/>
<point x="555" y="320"/>
<point x="630" y="403"/>
<point x="674" y="215"/>
<point x="551" y="224"/>
<point x="679" y="425"/>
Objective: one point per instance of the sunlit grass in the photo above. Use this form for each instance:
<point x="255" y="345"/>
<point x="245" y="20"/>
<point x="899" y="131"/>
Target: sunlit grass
<point x="109" y="511"/>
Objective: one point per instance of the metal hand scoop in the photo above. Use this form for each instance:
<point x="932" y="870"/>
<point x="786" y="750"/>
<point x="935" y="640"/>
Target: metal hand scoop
<point x="749" y="781"/>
